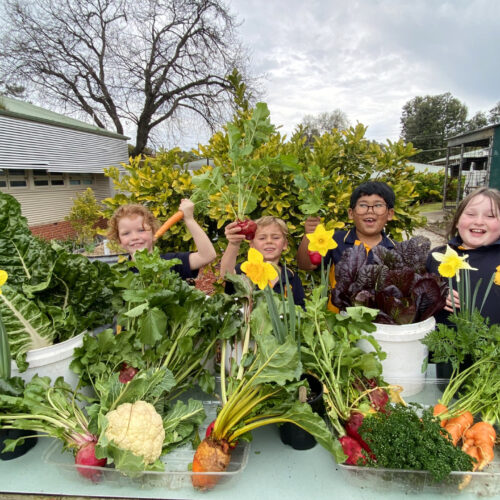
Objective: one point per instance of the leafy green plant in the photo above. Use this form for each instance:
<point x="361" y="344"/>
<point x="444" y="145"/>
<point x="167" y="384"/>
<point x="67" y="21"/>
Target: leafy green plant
<point x="396" y="283"/>
<point x="84" y="215"/>
<point x="52" y="295"/>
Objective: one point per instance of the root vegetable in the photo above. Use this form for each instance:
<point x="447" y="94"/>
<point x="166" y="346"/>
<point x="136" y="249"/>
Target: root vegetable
<point x="210" y="456"/>
<point x="86" y="456"/>
<point x="314" y="257"/>
<point x="438" y="410"/>
<point x="352" y="448"/>
<point x="248" y="228"/>
<point x="352" y="426"/>
<point x="458" y="425"/>
<point x="169" y="223"/>
<point x="127" y="373"/>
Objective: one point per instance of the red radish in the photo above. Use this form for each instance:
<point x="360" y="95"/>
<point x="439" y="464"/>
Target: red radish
<point x="86" y="456"/>
<point x="248" y="228"/>
<point x="352" y="426"/>
<point x="314" y="257"/>
<point x="127" y="373"/>
<point x="353" y="450"/>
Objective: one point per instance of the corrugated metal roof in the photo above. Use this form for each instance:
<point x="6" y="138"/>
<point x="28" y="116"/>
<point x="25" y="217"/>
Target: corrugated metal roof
<point x="27" y="111"/>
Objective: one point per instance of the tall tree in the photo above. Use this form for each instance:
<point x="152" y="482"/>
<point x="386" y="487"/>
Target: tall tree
<point x="125" y="63"/>
<point x="427" y="122"/>
<point x="317" y="125"/>
<point x="479" y="120"/>
<point x="494" y="114"/>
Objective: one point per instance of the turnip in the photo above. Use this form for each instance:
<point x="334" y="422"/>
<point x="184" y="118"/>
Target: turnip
<point x="86" y="456"/>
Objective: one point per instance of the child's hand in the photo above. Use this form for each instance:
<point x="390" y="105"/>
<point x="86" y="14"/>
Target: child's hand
<point x="233" y="234"/>
<point x="187" y="207"/>
<point x="456" y="300"/>
<point x="311" y="224"/>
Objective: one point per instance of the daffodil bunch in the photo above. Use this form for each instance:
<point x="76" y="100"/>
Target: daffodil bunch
<point x="4" y="339"/>
<point x="321" y="241"/>
<point x="263" y="274"/>
<point x="452" y="266"/>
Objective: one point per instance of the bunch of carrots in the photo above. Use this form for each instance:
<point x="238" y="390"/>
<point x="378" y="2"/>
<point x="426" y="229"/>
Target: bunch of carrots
<point x="478" y="440"/>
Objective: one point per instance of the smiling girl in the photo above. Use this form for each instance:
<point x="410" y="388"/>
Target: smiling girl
<point x="475" y="231"/>
<point x="133" y="227"/>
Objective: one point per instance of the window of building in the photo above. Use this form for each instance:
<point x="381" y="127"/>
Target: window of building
<point x="3" y="178"/>
<point x="17" y="178"/>
<point x="79" y="179"/>
<point x="44" y="178"/>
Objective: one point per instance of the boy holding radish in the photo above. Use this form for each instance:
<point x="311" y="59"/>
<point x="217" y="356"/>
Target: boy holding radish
<point x="134" y="227"/>
<point x="271" y="241"/>
<point x="371" y="207"/>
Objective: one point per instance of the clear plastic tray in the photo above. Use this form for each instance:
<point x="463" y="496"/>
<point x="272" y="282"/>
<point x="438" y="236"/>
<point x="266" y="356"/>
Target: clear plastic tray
<point x="485" y="483"/>
<point x="177" y="464"/>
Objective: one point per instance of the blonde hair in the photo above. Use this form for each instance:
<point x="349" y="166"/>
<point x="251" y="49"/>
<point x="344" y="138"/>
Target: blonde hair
<point x="491" y="193"/>
<point x="131" y="210"/>
<point x="267" y="220"/>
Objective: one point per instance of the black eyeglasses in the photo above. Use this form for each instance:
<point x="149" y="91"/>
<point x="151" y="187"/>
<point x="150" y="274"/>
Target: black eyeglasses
<point x="363" y="208"/>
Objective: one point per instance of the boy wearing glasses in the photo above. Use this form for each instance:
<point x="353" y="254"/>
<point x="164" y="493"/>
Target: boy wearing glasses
<point x="371" y="207"/>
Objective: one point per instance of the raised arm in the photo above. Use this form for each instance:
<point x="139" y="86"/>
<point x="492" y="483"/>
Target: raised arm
<point x="234" y="238"/>
<point x="303" y="260"/>
<point x="205" y="251"/>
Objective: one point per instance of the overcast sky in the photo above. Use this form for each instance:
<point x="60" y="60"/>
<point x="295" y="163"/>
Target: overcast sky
<point x="369" y="57"/>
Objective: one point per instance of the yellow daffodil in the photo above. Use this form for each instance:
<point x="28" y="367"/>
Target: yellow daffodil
<point x="451" y="263"/>
<point x="3" y="278"/>
<point x="321" y="240"/>
<point x="257" y="270"/>
<point x="497" y="276"/>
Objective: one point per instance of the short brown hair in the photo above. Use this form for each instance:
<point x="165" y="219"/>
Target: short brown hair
<point x="267" y="220"/>
<point x="131" y="210"/>
<point x="491" y="193"/>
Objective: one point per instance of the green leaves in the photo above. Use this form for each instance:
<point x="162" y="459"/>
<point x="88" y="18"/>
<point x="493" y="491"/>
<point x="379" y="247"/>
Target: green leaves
<point x="52" y="295"/>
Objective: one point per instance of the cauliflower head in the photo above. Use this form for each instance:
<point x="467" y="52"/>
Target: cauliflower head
<point x="137" y="428"/>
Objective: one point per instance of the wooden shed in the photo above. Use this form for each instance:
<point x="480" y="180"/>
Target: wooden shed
<point x="46" y="159"/>
<point x="473" y="158"/>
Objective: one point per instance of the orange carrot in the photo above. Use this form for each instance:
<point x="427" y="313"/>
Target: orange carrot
<point x="210" y="456"/>
<point x="440" y="409"/>
<point x="458" y="425"/>
<point x="479" y="441"/>
<point x="169" y="223"/>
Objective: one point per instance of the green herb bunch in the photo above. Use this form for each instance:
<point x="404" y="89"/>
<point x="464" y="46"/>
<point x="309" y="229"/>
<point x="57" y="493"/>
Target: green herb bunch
<point x="411" y="438"/>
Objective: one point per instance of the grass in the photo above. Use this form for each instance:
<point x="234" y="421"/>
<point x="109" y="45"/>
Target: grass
<point x="431" y="207"/>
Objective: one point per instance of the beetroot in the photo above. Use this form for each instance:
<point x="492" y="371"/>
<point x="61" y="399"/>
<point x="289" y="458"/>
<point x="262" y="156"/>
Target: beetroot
<point x="127" y="373"/>
<point x="314" y="257"/>
<point x="248" y="228"/>
<point x="353" y="450"/>
<point x="352" y="426"/>
<point x="86" y="456"/>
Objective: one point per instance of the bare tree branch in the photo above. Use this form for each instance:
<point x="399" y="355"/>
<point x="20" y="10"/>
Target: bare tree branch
<point x="141" y="62"/>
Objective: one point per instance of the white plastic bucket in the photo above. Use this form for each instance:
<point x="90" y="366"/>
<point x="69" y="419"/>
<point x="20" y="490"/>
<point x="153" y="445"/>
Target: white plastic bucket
<point x="52" y="361"/>
<point x="405" y="353"/>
